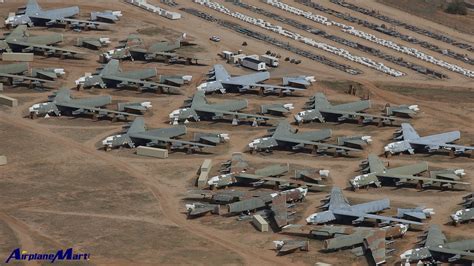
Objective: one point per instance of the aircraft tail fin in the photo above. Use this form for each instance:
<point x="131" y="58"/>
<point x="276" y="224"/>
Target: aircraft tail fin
<point x="112" y="67"/>
<point x="320" y="101"/>
<point x="32" y="6"/>
<point x="199" y="98"/>
<point x="63" y="95"/>
<point x="138" y="125"/>
<point x="409" y="132"/>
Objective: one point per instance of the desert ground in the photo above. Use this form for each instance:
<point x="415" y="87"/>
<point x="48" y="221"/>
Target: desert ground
<point x="60" y="190"/>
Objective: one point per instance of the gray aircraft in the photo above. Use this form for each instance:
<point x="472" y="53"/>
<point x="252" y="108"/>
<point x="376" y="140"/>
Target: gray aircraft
<point x="276" y="108"/>
<point x="220" y="80"/>
<point x="132" y="48"/>
<point x="403" y="110"/>
<point x="16" y="74"/>
<point x="197" y="108"/>
<point x="338" y="208"/>
<point x="375" y="173"/>
<point x="19" y="40"/>
<point x="92" y="42"/>
<point x="62" y="103"/>
<point x="239" y="171"/>
<point x="137" y="134"/>
<point x="361" y="240"/>
<point x="416" y="214"/>
<point x="409" y="140"/>
<point x="435" y="248"/>
<point x="321" y="109"/>
<point x="111" y="76"/>
<point x="285" y="136"/>
<point x="288" y="245"/>
<point x="466" y="214"/>
<point x="33" y="15"/>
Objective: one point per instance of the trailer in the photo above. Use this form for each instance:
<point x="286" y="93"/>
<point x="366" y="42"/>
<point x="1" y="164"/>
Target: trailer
<point x="270" y="61"/>
<point x="253" y="63"/>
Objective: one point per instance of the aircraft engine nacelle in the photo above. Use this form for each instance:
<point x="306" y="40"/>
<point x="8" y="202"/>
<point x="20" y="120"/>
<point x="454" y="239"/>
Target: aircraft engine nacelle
<point x="117" y="141"/>
<point x="211" y="86"/>
<point x="182" y="115"/>
<point x="44" y="109"/>
<point x="397" y="147"/>
<point x="309" y="115"/>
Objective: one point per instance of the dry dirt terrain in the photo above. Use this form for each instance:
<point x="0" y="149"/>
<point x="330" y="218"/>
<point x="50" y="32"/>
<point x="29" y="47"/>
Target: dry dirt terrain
<point x="59" y="190"/>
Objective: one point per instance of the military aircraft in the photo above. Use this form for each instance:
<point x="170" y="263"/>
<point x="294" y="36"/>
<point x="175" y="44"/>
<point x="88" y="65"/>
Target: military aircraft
<point x="15" y="73"/>
<point x="435" y="248"/>
<point x="374" y="240"/>
<point x="197" y="108"/>
<point x="34" y="15"/>
<point x="239" y="171"/>
<point x="287" y="245"/>
<point x="298" y="81"/>
<point x="137" y="134"/>
<point x="19" y="40"/>
<point x="416" y="214"/>
<point x="276" y="108"/>
<point x="158" y="51"/>
<point x="338" y="208"/>
<point x="467" y="213"/>
<point x="92" y="43"/>
<point x="375" y="173"/>
<point x="112" y="76"/>
<point x="409" y="140"/>
<point x="284" y="135"/>
<point x="220" y="80"/>
<point x="403" y="110"/>
<point x="321" y="109"/>
<point x="62" y="103"/>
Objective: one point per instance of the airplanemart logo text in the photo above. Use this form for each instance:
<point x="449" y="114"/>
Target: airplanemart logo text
<point x="60" y="255"/>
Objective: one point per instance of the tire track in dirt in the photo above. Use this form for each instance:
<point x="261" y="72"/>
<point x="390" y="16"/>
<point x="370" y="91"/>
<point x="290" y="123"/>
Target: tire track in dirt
<point x="161" y="194"/>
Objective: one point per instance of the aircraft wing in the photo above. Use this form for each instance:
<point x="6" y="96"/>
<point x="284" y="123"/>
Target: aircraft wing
<point x="403" y="178"/>
<point x="319" y="144"/>
<point x="353" y="107"/>
<point x="139" y="82"/>
<point x="165" y="139"/>
<point x="411" y="169"/>
<point x="236" y="114"/>
<point x="456" y="254"/>
<point x="416" y="215"/>
<point x="23" y="77"/>
<point x="167" y="132"/>
<point x="438" y="139"/>
<point x="372" y="206"/>
<point x="373" y="216"/>
<point x="337" y="199"/>
<point x="275" y="179"/>
<point x="277" y="109"/>
<point x="375" y="242"/>
<point x="41" y="47"/>
<point x="357" y="114"/>
<point x="95" y="109"/>
<point x="79" y="21"/>
<point x="93" y="42"/>
<point x="220" y="73"/>
<point x="375" y="164"/>
<point x="269" y="86"/>
<point x="445" y="146"/>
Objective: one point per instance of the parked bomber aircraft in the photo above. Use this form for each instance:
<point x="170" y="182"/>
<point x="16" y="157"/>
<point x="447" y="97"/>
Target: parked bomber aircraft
<point x="239" y="171"/>
<point x="62" y="103"/>
<point x="283" y="135"/>
<point x="16" y="72"/>
<point x="375" y="173"/>
<point x="338" y="208"/>
<point x="197" y="108"/>
<point x="33" y="15"/>
<point x="132" y="48"/>
<point x="112" y="76"/>
<point x="137" y="134"/>
<point x="435" y="248"/>
<point x="375" y="240"/>
<point x="93" y="43"/>
<point x="19" y="40"/>
<point x="321" y="109"/>
<point x="466" y="214"/>
<point x="220" y="80"/>
<point x="409" y="140"/>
